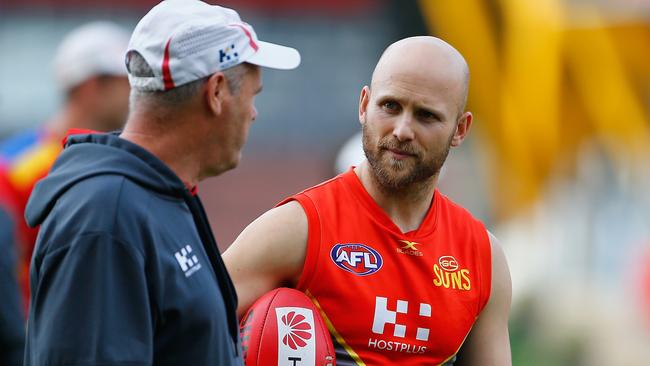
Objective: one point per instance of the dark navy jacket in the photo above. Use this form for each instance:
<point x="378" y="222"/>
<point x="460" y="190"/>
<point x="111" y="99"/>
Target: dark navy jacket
<point x="12" y="319"/>
<point x="126" y="270"/>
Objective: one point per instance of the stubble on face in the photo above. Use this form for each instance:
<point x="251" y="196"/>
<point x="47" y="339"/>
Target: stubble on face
<point x="401" y="175"/>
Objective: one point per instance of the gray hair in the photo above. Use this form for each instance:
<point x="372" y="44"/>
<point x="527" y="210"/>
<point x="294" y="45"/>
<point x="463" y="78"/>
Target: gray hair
<point x="180" y="95"/>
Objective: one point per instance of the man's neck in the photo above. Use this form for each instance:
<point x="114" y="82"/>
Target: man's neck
<point x="407" y="207"/>
<point x="169" y="144"/>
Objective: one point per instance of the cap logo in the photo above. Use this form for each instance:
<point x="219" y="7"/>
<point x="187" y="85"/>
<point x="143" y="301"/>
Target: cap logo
<point x="228" y="56"/>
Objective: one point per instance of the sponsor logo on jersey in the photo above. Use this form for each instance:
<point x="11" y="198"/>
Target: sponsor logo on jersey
<point x="296" y="340"/>
<point x="448" y="274"/>
<point x="409" y="248"/>
<point x="400" y="339"/>
<point x="358" y="259"/>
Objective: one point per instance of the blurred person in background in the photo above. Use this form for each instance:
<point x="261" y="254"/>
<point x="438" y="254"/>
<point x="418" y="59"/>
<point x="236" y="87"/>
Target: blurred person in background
<point x="90" y="72"/>
<point x="350" y="154"/>
<point x="12" y="321"/>
<point x="131" y="273"/>
<point x="400" y="273"/>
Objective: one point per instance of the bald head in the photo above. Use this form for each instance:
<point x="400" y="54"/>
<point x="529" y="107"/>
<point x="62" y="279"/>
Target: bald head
<point x="427" y="59"/>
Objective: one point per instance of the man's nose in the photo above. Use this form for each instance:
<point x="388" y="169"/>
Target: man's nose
<point x="403" y="129"/>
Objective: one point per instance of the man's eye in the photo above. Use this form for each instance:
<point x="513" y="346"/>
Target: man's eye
<point x="391" y="106"/>
<point x="427" y="116"/>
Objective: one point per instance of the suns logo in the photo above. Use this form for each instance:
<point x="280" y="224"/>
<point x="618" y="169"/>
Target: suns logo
<point x="358" y="259"/>
<point x="298" y="330"/>
<point x="448" y="274"/>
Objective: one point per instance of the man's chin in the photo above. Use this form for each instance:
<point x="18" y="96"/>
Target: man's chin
<point x="398" y="166"/>
<point x="397" y="178"/>
<point x="394" y="178"/>
<point x="223" y="167"/>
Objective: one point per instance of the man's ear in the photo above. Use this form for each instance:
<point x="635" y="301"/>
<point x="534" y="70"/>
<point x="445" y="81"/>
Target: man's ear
<point x="364" y="99"/>
<point x="462" y="128"/>
<point x="216" y="92"/>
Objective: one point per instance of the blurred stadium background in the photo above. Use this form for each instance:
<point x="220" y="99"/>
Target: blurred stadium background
<point x="558" y="163"/>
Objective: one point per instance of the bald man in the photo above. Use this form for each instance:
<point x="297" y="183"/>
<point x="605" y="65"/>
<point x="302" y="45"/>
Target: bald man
<point x="400" y="273"/>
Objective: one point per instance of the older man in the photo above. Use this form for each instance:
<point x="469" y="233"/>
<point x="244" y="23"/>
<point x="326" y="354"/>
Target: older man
<point x="126" y="269"/>
<point x="401" y="274"/>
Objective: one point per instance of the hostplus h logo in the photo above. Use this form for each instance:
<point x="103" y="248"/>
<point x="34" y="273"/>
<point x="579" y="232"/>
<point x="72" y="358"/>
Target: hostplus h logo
<point x="384" y="316"/>
<point x="189" y="263"/>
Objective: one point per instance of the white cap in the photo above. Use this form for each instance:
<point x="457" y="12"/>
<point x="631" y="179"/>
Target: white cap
<point x="96" y="48"/>
<point x="185" y="40"/>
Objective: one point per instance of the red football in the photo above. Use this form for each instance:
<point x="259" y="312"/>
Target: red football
<point x="284" y="327"/>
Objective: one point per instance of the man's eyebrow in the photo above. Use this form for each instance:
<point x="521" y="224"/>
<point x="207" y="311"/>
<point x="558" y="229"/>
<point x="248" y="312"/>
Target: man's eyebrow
<point x="438" y="115"/>
<point x="385" y="97"/>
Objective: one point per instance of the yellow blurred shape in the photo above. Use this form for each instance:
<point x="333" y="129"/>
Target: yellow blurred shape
<point x="547" y="78"/>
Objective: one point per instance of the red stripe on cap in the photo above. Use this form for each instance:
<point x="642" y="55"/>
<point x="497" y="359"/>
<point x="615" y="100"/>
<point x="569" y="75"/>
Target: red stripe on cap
<point x="167" y="74"/>
<point x="251" y="42"/>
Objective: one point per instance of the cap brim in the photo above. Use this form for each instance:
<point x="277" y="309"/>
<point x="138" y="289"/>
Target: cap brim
<point x="275" y="56"/>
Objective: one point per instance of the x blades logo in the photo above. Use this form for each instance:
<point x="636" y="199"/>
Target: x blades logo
<point x="409" y="248"/>
<point x="409" y="244"/>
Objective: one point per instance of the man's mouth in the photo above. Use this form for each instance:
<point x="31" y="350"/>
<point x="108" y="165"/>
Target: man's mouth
<point x="400" y="154"/>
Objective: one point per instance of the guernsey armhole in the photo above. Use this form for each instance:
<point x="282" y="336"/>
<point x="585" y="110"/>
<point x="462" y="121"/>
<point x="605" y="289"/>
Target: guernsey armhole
<point x="313" y="242"/>
<point x="485" y="261"/>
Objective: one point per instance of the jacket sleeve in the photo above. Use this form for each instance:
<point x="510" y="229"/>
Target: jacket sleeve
<point x="90" y="305"/>
<point x="12" y="320"/>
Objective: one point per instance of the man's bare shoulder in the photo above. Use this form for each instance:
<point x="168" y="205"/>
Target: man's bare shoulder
<point x="488" y="342"/>
<point x="269" y="253"/>
<point x="284" y="225"/>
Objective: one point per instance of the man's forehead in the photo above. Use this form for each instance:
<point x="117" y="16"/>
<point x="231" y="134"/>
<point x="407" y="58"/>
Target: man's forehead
<point x="426" y="54"/>
<point x="415" y="86"/>
<point x="424" y="63"/>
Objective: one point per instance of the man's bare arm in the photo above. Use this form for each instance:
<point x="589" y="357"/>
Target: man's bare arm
<point x="269" y="253"/>
<point x="488" y="344"/>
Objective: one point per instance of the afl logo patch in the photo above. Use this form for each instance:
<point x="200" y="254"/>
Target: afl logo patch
<point x="358" y="259"/>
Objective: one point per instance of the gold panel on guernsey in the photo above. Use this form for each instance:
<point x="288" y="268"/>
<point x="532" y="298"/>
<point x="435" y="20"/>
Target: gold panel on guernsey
<point x="457" y="280"/>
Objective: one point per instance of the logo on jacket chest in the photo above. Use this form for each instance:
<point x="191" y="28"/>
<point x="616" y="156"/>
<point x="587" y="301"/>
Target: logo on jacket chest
<point x="356" y="258"/>
<point x="188" y="262"/>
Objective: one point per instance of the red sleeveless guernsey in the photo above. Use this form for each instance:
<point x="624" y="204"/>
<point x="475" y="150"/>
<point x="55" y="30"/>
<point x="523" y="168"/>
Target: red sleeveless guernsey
<point x="389" y="297"/>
